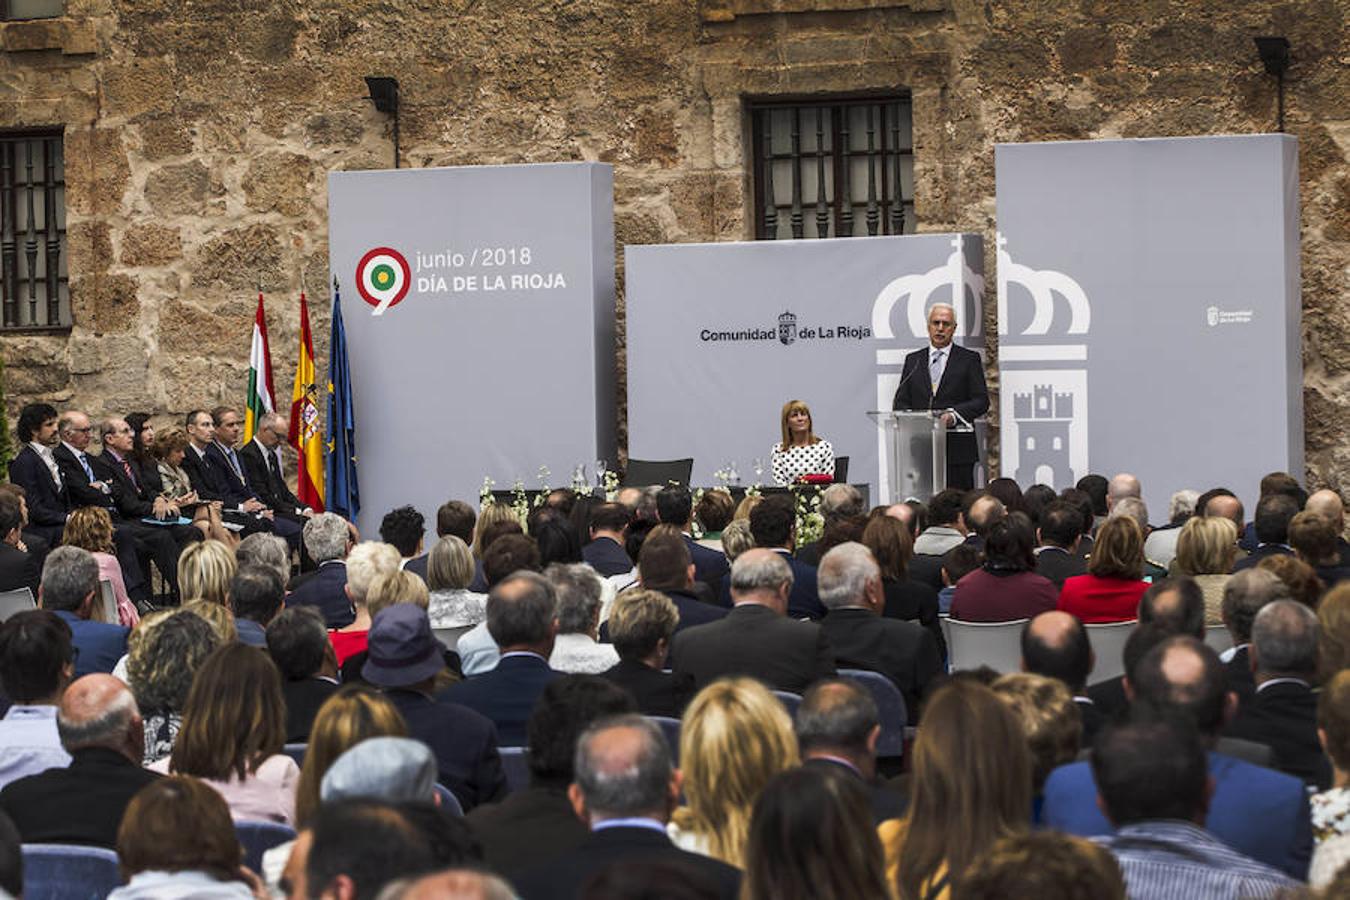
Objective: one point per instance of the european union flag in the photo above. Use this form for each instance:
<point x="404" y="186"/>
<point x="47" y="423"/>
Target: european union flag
<point x="344" y="497"/>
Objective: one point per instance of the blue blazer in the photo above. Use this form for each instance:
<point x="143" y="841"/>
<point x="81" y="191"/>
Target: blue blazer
<point x="464" y="743"/>
<point x="324" y="591"/>
<point x="506" y="695"/>
<point x="1259" y="812"/>
<point x="235" y="490"/>
<point x="101" y="644"/>
<point x="607" y="556"/>
<point x="709" y="565"/>
<point x="804" y="599"/>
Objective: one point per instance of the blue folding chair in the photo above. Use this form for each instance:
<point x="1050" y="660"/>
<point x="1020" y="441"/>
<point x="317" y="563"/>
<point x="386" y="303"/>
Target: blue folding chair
<point x="258" y="836"/>
<point x="890" y="706"/>
<point x="671" y="729"/>
<point x="68" y="872"/>
<point x="449" y="802"/>
<point x="296" y="752"/>
<point x="789" y="700"/>
<point x="516" y="764"/>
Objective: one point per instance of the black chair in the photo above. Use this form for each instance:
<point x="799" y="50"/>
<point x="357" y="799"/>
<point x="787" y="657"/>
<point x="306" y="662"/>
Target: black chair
<point x="257" y="837"/>
<point x="841" y="470"/>
<point x="644" y="472"/>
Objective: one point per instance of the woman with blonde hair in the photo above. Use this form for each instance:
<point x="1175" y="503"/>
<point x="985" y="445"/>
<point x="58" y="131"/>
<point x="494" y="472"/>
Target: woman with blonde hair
<point x="491" y="514"/>
<point x="399" y="586"/>
<point x="367" y="562"/>
<point x="736" y="736"/>
<point x="971" y="786"/>
<point x="90" y="528"/>
<point x="449" y="571"/>
<point x="1206" y="550"/>
<point x="800" y="452"/>
<point x="205" y="570"/>
<point x="217" y="616"/>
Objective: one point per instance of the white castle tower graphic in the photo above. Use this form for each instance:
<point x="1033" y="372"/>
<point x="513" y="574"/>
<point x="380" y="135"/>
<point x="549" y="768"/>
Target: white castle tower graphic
<point x="1044" y="413"/>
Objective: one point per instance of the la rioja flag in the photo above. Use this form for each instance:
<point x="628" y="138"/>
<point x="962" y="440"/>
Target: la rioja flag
<point x="260" y="388"/>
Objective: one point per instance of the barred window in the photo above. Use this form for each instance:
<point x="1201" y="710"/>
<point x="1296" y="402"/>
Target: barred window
<point x="33" y="279"/>
<point x="833" y="167"/>
<point x="31" y="9"/>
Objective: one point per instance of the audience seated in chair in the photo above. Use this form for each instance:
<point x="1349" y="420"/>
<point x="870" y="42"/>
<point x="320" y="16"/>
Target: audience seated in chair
<point x="1006" y="587"/>
<point x="575" y="649"/>
<point x="641" y="625"/>
<point x="328" y="541"/>
<point x="1056" y="645"/>
<point x="70" y="589"/>
<point x="298" y="643"/>
<point x="37" y="661"/>
<point x="837" y="726"/>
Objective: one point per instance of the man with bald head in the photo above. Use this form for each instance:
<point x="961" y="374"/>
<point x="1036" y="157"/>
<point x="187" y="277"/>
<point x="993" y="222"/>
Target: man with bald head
<point x="624" y="788"/>
<point x="1121" y="486"/>
<point x="1327" y="503"/>
<point x="102" y="731"/>
<point x="756" y="638"/>
<point x="1055" y="644"/>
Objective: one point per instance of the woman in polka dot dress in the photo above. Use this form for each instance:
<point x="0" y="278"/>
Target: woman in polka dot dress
<point x="800" y="452"/>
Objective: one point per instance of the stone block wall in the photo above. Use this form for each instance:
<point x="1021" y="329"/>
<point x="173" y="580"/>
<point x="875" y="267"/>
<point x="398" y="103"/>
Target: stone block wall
<point x="198" y="138"/>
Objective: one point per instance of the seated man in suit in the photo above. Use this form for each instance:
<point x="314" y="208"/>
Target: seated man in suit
<point x="83" y="803"/>
<point x="1152" y="783"/>
<point x="34" y="468"/>
<point x="537" y="824"/>
<point x="1244" y="596"/>
<point x="861" y="638"/>
<point x="1257" y="811"/>
<point x="1055" y="644"/>
<point x="756" y="638"/>
<point x="522" y="620"/>
<point x="454" y="517"/>
<point x="1273" y="514"/>
<point x="837" y="727"/>
<point x="69" y="586"/>
<point x="1058" y="535"/>
<point x="404" y="660"/>
<point x="773" y="524"/>
<point x="1283" y="711"/>
<point x="328" y="541"/>
<point x="207" y="472"/>
<point x="664" y="565"/>
<point x="838" y="502"/>
<point x="675" y="506"/>
<point x="226" y="459"/>
<point x="641" y="625"/>
<point x="604" y="552"/>
<point x="29" y="540"/>
<point x="36" y="663"/>
<point x="256" y="594"/>
<point x="625" y="789"/>
<point x="298" y="643"/>
<point x="261" y="459"/>
<point x="18" y="568"/>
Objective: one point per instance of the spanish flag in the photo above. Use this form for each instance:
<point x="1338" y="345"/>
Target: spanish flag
<point x="306" y="433"/>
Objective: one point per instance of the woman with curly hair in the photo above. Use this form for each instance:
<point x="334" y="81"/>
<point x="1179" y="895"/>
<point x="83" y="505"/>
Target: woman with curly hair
<point x="90" y="528"/>
<point x="163" y="654"/>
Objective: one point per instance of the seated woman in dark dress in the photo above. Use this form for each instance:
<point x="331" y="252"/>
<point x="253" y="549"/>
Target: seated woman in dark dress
<point x="890" y="543"/>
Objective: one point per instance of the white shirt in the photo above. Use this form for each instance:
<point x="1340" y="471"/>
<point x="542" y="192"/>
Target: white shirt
<point x="45" y="454"/>
<point x="29" y="743"/>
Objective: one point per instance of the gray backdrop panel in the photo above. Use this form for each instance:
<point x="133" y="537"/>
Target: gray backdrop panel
<point x="495" y="379"/>
<point x="854" y="307"/>
<point x="1184" y="367"/>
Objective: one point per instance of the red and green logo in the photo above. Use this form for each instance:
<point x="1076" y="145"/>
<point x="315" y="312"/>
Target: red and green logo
<point x="383" y="278"/>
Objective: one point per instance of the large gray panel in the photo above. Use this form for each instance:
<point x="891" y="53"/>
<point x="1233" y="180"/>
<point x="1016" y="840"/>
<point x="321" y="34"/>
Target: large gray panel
<point x="500" y="357"/>
<point x="1149" y="312"/>
<point x="720" y="336"/>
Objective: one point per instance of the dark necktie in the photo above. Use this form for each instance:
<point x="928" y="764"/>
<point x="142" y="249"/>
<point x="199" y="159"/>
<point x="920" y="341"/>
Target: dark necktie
<point x="126" y="467"/>
<point x="274" y="467"/>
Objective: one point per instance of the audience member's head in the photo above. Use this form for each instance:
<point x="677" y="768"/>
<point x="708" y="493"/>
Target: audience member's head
<point x="1133" y="508"/>
<point x="326" y="536"/>
<point x="344" y="720"/>
<point x="1049" y="717"/>
<point x="1035" y="499"/>
<point x="983" y="512"/>
<point x="267" y="551"/>
<point x="1333" y="722"/>
<point x="1284" y="484"/>
<point x="69" y="580"/>
<point x="521" y="613"/>
<point x="403" y="527"/>
<point x="664" y="563"/>
<point x="774" y="522"/>
<point x="1080" y="501"/>
<point x="578" y="590"/>
<point x="1176" y="605"/>
<point x="736" y="735"/>
<point x="204" y="571"/>
<point x="716" y="508"/>
<point x="449" y="564"/>
<point x="1061" y="525"/>
<point x="401" y="651"/>
<point x="368" y="561"/>
<point x="1273" y="515"/>
<point x="456" y="518"/>
<point x="256" y="594"/>
<point x="493" y="518"/>
<point x="1301" y="579"/>
<point x="392" y="769"/>
<point x="566" y="708"/>
<point x="1151" y="767"/>
<point x="838" y="718"/>
<point x="179" y="824"/>
<point x="641" y="624"/>
<point x="468" y="884"/>
<point x="163" y="656"/>
<point x="37" y="659"/>
<point x="1118" y="551"/>
<point x="297" y="641"/>
<point x="217" y="615"/>
<point x="674" y="506"/>
<point x="1181" y="506"/>
<point x="89" y="528"/>
<point x="845" y="530"/>
<point x="557" y="541"/>
<point x="1096" y="487"/>
<point x="891" y="546"/>
<point x="1327" y="503"/>
<point x="1313" y="537"/>
<point x="839" y="501"/>
<point x="32" y="418"/>
<point x="1244" y="595"/>
<point x="761" y="576"/>
<point x="235" y="716"/>
<point x="1284" y="641"/>
<point x="1043" y="865"/>
<point x="1010" y="545"/>
<point x="736" y="538"/>
<point x="848" y="576"/>
<point x="99" y="711"/>
<point x="811" y="836"/>
<point x="1333" y="632"/>
<point x="1121" y="487"/>
<point x="971" y="783"/>
<point x="1207" y="545"/>
<point x="611" y="519"/>
<point x="1055" y="644"/>
<point x="398" y="586"/>
<point x="623" y="771"/>
<point x="959" y="562"/>
<point x="1223" y="503"/>
<point x="947" y="509"/>
<point x="508" y="554"/>
<point x="1007" y="492"/>
<point x="359" y="846"/>
<point x="1183" y="676"/>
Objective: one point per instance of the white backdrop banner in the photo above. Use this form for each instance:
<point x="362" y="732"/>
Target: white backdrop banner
<point x="720" y="336"/>
<point x="479" y="307"/>
<point x="1149" y="310"/>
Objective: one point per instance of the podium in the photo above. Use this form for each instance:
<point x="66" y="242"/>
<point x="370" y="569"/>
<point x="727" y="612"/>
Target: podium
<point x="915" y="453"/>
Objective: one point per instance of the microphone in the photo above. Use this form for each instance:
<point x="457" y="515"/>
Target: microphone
<point x="903" y="380"/>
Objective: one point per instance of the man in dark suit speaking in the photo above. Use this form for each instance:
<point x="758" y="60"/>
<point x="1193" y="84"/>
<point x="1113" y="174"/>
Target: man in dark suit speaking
<point x="948" y="379"/>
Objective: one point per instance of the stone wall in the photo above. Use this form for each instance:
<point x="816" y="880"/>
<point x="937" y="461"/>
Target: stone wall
<point x="198" y="137"/>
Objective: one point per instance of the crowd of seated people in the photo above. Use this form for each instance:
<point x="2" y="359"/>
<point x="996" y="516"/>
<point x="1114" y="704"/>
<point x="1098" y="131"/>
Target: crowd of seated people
<point x="616" y="698"/>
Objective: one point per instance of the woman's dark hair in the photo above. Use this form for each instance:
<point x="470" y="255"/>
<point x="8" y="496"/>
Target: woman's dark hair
<point x="178" y="824"/>
<point x="557" y="542"/>
<point x="1035" y="499"/>
<point x="234" y="718"/>
<point x="1010" y="545"/>
<point x="891" y="545"/>
<point x="138" y="421"/>
<point x="1007" y="491"/>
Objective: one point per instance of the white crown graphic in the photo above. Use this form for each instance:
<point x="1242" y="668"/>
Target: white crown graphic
<point x="1043" y="285"/>
<point x="961" y="281"/>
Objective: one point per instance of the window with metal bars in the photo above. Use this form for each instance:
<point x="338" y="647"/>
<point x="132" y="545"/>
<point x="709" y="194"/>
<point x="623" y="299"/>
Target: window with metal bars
<point x="34" y="282"/>
<point x="833" y="167"/>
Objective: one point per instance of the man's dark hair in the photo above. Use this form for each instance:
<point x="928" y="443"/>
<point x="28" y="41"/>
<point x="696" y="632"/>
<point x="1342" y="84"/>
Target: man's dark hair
<point x="11" y="514"/>
<point x="403" y="527"/>
<point x="256" y="593"/>
<point x="838" y="713"/>
<point x="565" y="709"/>
<point x="218" y="413"/>
<point x="1202" y="701"/>
<point x="945" y="506"/>
<point x="494" y="530"/>
<point x="1070" y="661"/>
<point x="674" y="505"/>
<point x="1273" y="513"/>
<point x="372" y="843"/>
<point x="508" y="554"/>
<point x="1095" y="486"/>
<point x="1035" y="500"/>
<point x="457" y="518"/>
<point x="961" y="560"/>
<point x="610" y="517"/>
<point x="1185" y="615"/>
<point x="1202" y="502"/>
<point x="31" y="418"/>
<point x="450" y="839"/>
<point x="1061" y="524"/>
<point x="772" y="520"/>
<point x="34" y="649"/>
<point x="192" y="415"/>
<point x="1083" y="503"/>
<point x="1150" y="766"/>
<point x="1286" y="484"/>
<point x="663" y="561"/>
<point x="557" y="542"/>
<point x="520" y="609"/>
<point x="298" y="642"/>
<point x="1010" y="545"/>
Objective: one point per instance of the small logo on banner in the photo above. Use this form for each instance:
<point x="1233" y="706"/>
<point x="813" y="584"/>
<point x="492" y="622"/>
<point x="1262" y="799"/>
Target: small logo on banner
<point x="383" y="278"/>
<point x="1212" y="316"/>
<point x="1215" y="316"/>
<point x="787" y="328"/>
